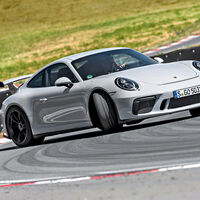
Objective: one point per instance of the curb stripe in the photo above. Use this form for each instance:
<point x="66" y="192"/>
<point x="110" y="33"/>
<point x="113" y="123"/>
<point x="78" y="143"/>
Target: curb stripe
<point x="16" y="184"/>
<point x="172" y="44"/>
<point x="4" y="140"/>
<point x="103" y="175"/>
<point x="124" y="174"/>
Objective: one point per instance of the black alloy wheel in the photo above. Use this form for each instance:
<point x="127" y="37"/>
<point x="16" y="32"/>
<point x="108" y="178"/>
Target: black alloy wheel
<point x="18" y="127"/>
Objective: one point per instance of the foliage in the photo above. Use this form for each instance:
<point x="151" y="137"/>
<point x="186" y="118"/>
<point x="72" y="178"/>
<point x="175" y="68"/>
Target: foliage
<point x="35" y="32"/>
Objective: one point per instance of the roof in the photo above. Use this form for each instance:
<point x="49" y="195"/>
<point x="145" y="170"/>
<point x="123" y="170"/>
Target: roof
<point x="79" y="55"/>
<point x="88" y="53"/>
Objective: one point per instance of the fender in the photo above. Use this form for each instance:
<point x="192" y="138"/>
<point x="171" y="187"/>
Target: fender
<point x="11" y="89"/>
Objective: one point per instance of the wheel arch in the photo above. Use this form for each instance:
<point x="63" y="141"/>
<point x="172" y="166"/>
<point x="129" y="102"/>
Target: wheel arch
<point x="19" y="107"/>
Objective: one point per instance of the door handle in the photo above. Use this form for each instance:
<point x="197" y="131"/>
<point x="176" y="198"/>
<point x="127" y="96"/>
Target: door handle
<point x="43" y="100"/>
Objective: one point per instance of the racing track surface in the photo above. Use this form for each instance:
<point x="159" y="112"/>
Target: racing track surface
<point x="163" y="141"/>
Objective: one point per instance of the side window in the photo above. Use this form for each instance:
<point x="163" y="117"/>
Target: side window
<point x="57" y="71"/>
<point x="37" y="81"/>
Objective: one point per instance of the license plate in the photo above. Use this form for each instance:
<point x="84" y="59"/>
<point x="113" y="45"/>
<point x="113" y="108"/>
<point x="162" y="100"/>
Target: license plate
<point x="186" y="92"/>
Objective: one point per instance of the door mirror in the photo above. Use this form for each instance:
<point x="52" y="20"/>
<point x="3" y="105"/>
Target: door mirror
<point x="64" y="81"/>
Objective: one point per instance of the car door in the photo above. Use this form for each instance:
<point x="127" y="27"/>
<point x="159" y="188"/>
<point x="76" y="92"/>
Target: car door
<point x="58" y="108"/>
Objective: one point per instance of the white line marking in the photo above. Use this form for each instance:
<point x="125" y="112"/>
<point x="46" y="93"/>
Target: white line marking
<point x="175" y="43"/>
<point x="190" y="166"/>
<point x="32" y="180"/>
<point x="193" y="36"/>
<point x="4" y="140"/>
<point x="164" y="47"/>
<point x="67" y="180"/>
<point x="100" y="175"/>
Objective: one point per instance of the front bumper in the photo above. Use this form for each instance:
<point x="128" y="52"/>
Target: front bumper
<point x="154" y="101"/>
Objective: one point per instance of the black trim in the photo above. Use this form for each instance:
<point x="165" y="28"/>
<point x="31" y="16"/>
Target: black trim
<point x="184" y="101"/>
<point x="143" y="105"/>
<point x="163" y="104"/>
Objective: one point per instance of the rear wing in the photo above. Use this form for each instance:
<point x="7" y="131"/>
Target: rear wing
<point x="10" y="82"/>
<point x="5" y="93"/>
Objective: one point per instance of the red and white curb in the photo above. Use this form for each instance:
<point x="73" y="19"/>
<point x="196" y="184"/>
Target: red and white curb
<point x="4" y="140"/>
<point x="172" y="44"/>
<point x="103" y="175"/>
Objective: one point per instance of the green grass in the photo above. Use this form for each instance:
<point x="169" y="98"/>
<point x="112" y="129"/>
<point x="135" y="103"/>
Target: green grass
<point x="35" y="32"/>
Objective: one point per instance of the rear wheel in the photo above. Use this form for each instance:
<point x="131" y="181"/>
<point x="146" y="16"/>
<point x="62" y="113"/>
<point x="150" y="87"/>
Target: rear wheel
<point x="195" y="112"/>
<point x="105" y="111"/>
<point x="18" y="127"/>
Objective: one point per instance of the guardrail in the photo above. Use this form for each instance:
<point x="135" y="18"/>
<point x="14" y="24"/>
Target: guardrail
<point x="182" y="54"/>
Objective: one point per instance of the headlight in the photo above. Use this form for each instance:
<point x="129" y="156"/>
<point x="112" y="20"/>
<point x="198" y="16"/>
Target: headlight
<point x="126" y="84"/>
<point x="196" y="64"/>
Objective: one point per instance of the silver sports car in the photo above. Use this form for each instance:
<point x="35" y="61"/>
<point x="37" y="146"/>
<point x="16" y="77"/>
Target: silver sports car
<point x="103" y="88"/>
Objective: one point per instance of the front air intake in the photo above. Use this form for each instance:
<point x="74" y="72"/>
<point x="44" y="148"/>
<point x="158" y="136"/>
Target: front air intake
<point x="143" y="105"/>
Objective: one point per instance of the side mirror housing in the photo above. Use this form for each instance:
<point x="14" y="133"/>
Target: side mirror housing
<point x="1" y="84"/>
<point x="64" y="81"/>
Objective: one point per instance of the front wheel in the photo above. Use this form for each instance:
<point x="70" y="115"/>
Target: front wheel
<point x="37" y="141"/>
<point x="18" y="127"/>
<point x="105" y="112"/>
<point x="195" y="112"/>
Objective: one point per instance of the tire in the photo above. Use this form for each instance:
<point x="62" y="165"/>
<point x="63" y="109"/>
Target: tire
<point x="18" y="127"/>
<point x="38" y="141"/>
<point x="107" y="116"/>
<point x="195" y="112"/>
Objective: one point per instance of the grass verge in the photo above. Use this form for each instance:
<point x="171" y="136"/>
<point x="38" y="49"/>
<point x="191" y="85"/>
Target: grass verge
<point x="34" y="34"/>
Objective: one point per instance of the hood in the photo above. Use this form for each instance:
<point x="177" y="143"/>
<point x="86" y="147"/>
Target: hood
<point x="159" y="74"/>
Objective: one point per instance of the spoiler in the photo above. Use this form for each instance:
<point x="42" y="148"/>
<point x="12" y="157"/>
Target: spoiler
<point x="10" y="82"/>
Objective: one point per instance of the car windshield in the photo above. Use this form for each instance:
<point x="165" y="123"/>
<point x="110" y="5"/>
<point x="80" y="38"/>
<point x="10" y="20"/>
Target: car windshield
<point x="109" y="62"/>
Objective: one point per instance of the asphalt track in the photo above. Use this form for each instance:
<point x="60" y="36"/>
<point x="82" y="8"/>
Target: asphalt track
<point x="159" y="142"/>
